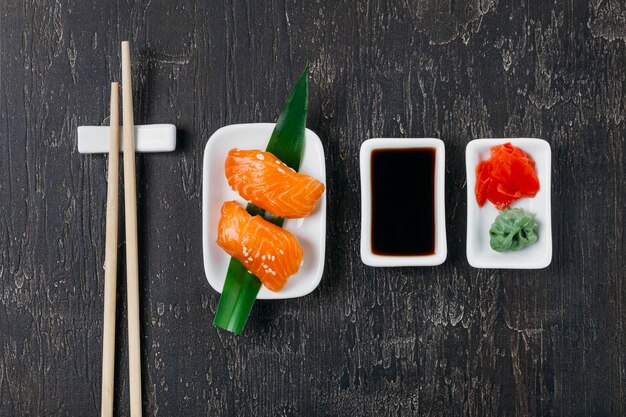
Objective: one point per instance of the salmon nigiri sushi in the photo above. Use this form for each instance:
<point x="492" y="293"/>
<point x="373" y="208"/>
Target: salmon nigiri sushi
<point x="267" y="182"/>
<point x="268" y="251"/>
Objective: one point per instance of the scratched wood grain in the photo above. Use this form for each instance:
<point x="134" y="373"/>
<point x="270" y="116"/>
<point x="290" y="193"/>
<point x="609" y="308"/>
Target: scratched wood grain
<point x="449" y="340"/>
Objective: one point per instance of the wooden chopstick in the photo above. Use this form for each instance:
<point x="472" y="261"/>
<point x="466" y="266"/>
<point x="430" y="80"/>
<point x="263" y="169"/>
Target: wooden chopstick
<point x="110" y="258"/>
<point x="132" y="261"/>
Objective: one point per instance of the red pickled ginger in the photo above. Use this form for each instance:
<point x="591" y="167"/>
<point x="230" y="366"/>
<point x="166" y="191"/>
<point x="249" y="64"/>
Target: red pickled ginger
<point x="508" y="175"/>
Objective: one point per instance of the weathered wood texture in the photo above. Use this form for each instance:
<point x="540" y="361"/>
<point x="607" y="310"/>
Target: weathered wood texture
<point x="449" y="340"/>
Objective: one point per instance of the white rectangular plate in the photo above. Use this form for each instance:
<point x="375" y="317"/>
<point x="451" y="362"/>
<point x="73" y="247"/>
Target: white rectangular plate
<point x="441" y="249"/>
<point x="479" y="219"/>
<point x="310" y="231"/>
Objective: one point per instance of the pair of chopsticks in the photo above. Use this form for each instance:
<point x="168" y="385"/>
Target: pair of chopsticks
<point x="132" y="262"/>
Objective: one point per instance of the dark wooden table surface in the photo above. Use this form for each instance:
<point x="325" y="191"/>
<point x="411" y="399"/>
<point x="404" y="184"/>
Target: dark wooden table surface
<point x="449" y="340"/>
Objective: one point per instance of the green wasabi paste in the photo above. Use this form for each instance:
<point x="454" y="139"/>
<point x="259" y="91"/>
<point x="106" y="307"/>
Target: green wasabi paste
<point x="513" y="230"/>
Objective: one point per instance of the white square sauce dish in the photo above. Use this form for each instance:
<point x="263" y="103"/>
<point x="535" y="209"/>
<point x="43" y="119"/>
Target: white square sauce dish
<point x="403" y="202"/>
<point x="479" y="219"/>
<point x="310" y="231"/>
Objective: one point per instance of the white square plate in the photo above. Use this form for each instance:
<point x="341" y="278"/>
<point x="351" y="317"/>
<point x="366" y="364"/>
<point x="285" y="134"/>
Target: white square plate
<point x="441" y="249"/>
<point x="479" y="219"/>
<point x="310" y="231"/>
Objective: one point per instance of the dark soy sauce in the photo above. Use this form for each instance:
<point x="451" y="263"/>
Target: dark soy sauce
<point x="403" y="201"/>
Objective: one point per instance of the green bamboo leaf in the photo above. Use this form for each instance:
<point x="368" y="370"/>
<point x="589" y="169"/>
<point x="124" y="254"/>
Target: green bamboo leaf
<point x="287" y="144"/>
<point x="287" y="140"/>
<point x="238" y="296"/>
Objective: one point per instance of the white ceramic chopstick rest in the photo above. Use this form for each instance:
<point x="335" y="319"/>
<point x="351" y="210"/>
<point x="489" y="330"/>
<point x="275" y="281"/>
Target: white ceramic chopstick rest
<point x="148" y="138"/>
